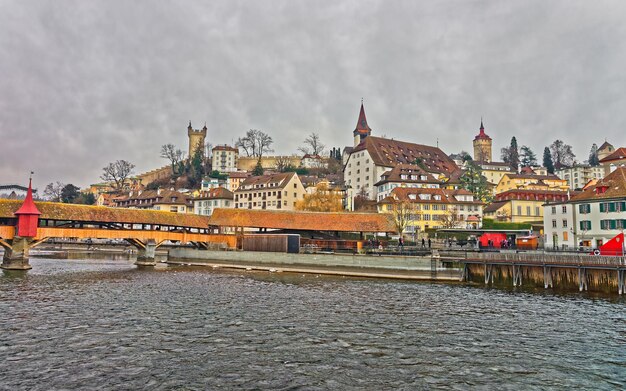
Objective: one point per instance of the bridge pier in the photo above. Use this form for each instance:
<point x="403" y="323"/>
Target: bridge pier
<point x="146" y="252"/>
<point x="16" y="254"/>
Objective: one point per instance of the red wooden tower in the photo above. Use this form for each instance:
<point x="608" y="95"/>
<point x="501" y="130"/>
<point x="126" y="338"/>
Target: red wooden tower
<point x="27" y="216"/>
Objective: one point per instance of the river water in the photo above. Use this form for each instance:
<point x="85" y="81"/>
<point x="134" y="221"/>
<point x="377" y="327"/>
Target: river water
<point x="104" y="324"/>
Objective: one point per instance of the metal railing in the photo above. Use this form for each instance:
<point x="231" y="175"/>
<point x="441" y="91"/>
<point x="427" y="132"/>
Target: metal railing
<point x="546" y="258"/>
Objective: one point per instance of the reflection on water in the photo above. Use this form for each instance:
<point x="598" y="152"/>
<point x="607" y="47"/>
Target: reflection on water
<point x="104" y="324"/>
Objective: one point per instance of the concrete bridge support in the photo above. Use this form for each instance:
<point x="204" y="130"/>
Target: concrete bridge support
<point x="146" y="251"/>
<point x="16" y="253"/>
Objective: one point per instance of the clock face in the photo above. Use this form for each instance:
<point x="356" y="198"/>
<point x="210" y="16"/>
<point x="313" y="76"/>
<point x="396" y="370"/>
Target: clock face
<point x="363" y="123"/>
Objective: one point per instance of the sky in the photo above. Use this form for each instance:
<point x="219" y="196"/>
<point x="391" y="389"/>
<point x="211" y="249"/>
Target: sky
<point x="84" y="83"/>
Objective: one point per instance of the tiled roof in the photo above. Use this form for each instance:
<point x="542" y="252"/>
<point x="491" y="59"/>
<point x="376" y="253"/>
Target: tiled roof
<point x="395" y="175"/>
<point x="447" y="196"/>
<point x="550" y="177"/>
<point x="494" y="206"/>
<point x="614" y="186"/>
<point x="157" y="196"/>
<point x="606" y="144"/>
<point x="86" y="213"/>
<point x="481" y="134"/>
<point x="238" y="174"/>
<point x="389" y="153"/>
<point x="534" y="195"/>
<point x="618" y="154"/>
<point x="309" y="221"/>
<point x="215" y="193"/>
<point x="225" y="148"/>
<point x="275" y="181"/>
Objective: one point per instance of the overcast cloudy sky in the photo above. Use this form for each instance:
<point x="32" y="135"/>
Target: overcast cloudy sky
<point x="84" y="83"/>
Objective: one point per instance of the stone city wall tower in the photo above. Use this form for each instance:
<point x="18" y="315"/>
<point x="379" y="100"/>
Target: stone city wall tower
<point x="482" y="146"/>
<point x="196" y="139"/>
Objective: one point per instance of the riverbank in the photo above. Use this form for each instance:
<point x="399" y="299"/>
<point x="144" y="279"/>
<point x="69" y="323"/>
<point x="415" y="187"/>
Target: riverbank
<point x="371" y="266"/>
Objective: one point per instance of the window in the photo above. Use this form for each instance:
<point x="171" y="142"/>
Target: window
<point x="554" y="210"/>
<point x="537" y="212"/>
<point x="565" y="237"/>
<point x="584" y="209"/>
<point x="528" y="211"/>
<point x="426" y="207"/>
<point x="585" y="225"/>
<point x="564" y="209"/>
<point x="295" y="185"/>
<point x="553" y="223"/>
<point x="426" y="217"/>
<point x="564" y="223"/>
<point x="519" y="210"/>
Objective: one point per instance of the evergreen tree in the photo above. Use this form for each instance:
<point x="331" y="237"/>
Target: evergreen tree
<point x="511" y="154"/>
<point x="69" y="193"/>
<point x="514" y="154"/>
<point x="593" y="156"/>
<point x="527" y="157"/>
<point x="474" y="181"/>
<point x="258" y="169"/>
<point x="547" y="160"/>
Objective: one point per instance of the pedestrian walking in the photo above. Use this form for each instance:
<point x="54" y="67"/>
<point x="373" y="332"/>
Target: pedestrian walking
<point x="423" y="243"/>
<point x="429" y="243"/>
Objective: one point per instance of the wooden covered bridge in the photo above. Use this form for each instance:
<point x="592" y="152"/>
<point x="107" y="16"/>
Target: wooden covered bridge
<point x="24" y="225"/>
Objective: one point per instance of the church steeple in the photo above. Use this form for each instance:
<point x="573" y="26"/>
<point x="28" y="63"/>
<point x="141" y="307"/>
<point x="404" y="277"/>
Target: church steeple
<point x="362" y="129"/>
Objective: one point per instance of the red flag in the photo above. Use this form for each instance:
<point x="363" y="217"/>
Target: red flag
<point x="614" y="246"/>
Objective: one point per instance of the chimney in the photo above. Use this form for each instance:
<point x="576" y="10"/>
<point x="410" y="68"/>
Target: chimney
<point x="159" y="191"/>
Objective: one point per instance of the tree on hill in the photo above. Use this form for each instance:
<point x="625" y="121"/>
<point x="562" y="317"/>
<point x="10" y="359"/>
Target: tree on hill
<point x="175" y="156"/>
<point x="593" y="156"/>
<point x="547" y="160"/>
<point x="53" y="191"/>
<point x="511" y="154"/>
<point x="323" y="199"/>
<point x="527" y="157"/>
<point x="474" y="181"/>
<point x="196" y="172"/>
<point x="117" y="172"/>
<point x="258" y="169"/>
<point x="255" y="143"/>
<point x="562" y="154"/>
<point x="312" y="145"/>
<point x="69" y="193"/>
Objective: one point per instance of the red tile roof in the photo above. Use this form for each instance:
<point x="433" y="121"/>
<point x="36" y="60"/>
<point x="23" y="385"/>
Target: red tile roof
<point x="225" y="148"/>
<point x="390" y="153"/>
<point x="618" y="154"/>
<point x="611" y="186"/>
<point x="534" y="195"/>
<point x="296" y="220"/>
<point x="215" y="193"/>
<point x="395" y="175"/>
<point x="482" y="134"/>
<point x="275" y="181"/>
<point x="447" y="196"/>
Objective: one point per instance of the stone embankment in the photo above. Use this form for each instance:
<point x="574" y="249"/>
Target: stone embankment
<point x="374" y="266"/>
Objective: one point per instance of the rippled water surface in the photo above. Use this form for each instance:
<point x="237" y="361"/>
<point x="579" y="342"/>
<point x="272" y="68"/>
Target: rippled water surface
<point x="94" y="324"/>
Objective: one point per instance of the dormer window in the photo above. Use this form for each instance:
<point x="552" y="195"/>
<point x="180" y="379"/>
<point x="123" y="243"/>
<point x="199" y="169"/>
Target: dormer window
<point x="412" y="196"/>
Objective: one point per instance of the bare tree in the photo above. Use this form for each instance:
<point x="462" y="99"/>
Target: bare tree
<point x="117" y="173"/>
<point x="312" y="145"/>
<point x="53" y="191"/>
<point x="283" y="163"/>
<point x="450" y="219"/>
<point x="562" y="154"/>
<point x="402" y="213"/>
<point x="175" y="156"/>
<point x="255" y="143"/>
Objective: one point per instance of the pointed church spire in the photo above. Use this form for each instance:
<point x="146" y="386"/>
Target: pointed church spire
<point x="361" y="124"/>
<point x="189" y="124"/>
<point x="481" y="124"/>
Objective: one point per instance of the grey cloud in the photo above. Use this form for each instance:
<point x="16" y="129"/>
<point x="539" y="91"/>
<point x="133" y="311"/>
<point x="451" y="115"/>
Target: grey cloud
<point x="83" y="83"/>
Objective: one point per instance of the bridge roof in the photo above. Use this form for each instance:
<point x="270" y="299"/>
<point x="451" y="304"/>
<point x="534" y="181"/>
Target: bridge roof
<point x="87" y="213"/>
<point x="307" y="221"/>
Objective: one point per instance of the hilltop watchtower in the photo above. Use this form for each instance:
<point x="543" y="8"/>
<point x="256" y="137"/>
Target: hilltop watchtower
<point x="482" y="146"/>
<point x="196" y="139"/>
